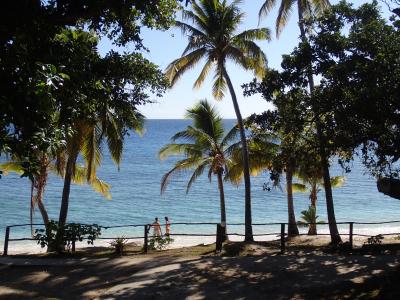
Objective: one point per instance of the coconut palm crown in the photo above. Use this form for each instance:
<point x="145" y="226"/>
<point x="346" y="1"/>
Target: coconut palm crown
<point x="213" y="37"/>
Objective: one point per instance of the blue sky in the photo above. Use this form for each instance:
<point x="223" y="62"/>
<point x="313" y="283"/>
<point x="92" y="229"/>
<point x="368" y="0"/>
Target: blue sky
<point x="168" y="45"/>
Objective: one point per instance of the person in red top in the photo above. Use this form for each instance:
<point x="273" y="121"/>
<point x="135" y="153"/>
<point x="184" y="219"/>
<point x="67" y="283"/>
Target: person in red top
<point x="167" y="226"/>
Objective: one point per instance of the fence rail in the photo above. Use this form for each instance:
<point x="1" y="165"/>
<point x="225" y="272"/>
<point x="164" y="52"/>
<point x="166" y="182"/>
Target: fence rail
<point x="219" y="232"/>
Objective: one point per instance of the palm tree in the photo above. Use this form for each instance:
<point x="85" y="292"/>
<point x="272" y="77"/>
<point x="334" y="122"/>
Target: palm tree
<point x="312" y="183"/>
<point x="306" y="9"/>
<point x="213" y="37"/>
<point x="206" y="147"/>
<point x="310" y="219"/>
<point x="87" y="140"/>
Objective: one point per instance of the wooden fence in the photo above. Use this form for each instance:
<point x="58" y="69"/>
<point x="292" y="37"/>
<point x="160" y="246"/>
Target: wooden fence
<point x="218" y="235"/>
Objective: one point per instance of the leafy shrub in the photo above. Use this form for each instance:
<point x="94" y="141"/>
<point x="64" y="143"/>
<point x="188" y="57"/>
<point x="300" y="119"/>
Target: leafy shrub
<point x="119" y="244"/>
<point x="61" y="239"/>
<point x="159" y="242"/>
<point x="375" y="240"/>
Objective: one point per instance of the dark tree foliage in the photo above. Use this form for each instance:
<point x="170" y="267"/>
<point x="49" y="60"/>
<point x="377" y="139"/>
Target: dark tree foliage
<point x="119" y="20"/>
<point x="41" y="73"/>
<point x="356" y="55"/>
<point x="360" y="86"/>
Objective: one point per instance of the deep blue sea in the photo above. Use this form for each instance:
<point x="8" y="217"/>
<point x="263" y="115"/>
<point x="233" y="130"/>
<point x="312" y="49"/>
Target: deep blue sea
<point x="136" y="195"/>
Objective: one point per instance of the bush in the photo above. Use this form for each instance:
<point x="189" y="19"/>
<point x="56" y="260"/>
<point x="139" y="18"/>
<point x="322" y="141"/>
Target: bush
<point x="159" y="242"/>
<point x="61" y="239"/>
<point x="375" y="240"/>
<point x="119" y="244"/>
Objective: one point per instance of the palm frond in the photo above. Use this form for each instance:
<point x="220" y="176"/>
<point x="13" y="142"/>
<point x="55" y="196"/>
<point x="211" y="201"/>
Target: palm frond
<point x="98" y="185"/>
<point x="180" y="166"/>
<point x="262" y="34"/>
<point x="206" y="118"/>
<point x="190" y="30"/>
<point x="198" y="17"/>
<point x="231" y="136"/>
<point x="115" y="139"/>
<point x="101" y="187"/>
<point x="203" y="74"/>
<point x="91" y="151"/>
<point x="195" y="135"/>
<point x="298" y="187"/>
<point x="179" y="149"/>
<point x="179" y="66"/>
<point x="284" y="13"/>
<point x="267" y="6"/>
<point x="197" y="173"/>
<point x="219" y="85"/>
<point x="13" y="167"/>
<point x="338" y="181"/>
<point x="320" y="6"/>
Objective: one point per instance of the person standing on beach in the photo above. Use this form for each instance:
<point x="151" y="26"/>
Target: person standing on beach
<point x="167" y="226"/>
<point x="156" y="227"/>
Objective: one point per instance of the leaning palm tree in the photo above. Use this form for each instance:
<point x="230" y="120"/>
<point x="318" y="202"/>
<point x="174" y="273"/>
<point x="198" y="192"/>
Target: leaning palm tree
<point x="206" y="147"/>
<point x="307" y="9"/>
<point x="213" y="37"/>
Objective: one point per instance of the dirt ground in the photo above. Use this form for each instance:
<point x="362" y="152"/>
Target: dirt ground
<point x="257" y="273"/>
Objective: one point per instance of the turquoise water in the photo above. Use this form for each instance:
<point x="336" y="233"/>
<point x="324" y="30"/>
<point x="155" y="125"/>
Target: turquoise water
<point x="137" y="199"/>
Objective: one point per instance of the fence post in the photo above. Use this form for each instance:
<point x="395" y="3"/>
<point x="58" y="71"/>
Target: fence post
<point x="218" y="242"/>
<point x="282" y="238"/>
<point x="146" y="237"/>
<point x="351" y="235"/>
<point x="5" y="252"/>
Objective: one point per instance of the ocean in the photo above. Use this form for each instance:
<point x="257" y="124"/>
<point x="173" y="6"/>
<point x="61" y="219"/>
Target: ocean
<point x="136" y="197"/>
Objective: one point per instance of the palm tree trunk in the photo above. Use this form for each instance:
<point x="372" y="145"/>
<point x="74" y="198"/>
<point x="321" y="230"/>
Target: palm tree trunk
<point x="41" y="185"/>
<point x="292" y="225"/>
<point x="44" y="213"/>
<point x="62" y="220"/>
<point x="312" y="230"/>
<point x="222" y="204"/>
<point x="246" y="173"/>
<point x="66" y="190"/>
<point x="333" y="229"/>
<point x="334" y="232"/>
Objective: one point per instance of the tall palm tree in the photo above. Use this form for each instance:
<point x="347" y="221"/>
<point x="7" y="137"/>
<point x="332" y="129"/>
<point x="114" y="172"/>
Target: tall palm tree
<point x="206" y="147"/>
<point x="213" y="37"/>
<point x="305" y="9"/>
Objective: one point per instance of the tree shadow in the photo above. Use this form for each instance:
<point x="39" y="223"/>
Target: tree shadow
<point x="297" y="274"/>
